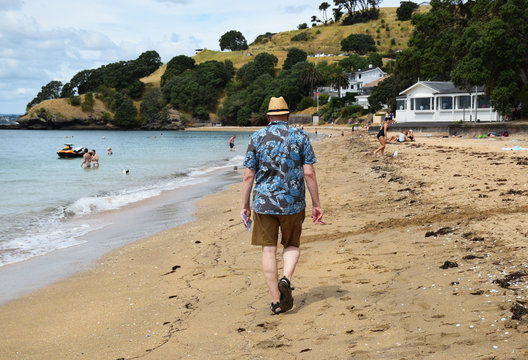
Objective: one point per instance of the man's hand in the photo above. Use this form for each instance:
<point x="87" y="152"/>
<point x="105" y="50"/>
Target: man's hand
<point x="317" y="215"/>
<point x="246" y="212"/>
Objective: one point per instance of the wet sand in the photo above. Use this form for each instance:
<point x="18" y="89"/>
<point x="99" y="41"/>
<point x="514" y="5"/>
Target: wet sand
<point x="423" y="256"/>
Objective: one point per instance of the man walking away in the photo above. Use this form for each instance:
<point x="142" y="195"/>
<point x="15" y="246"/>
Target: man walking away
<point x="279" y="158"/>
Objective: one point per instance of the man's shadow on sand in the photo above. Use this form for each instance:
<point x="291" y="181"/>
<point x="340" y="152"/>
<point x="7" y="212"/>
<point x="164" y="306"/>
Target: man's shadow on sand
<point x="316" y="294"/>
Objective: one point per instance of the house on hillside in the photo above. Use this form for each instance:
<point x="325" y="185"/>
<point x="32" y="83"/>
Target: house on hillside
<point x="360" y="82"/>
<point x="437" y="101"/>
<point x="359" y="78"/>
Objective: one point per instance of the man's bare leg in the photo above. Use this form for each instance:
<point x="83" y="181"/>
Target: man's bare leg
<point x="290" y="256"/>
<point x="269" y="267"/>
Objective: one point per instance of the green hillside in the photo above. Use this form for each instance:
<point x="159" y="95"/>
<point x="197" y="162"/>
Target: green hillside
<point x="321" y="43"/>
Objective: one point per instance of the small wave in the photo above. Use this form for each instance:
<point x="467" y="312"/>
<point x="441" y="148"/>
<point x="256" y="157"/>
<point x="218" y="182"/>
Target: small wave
<point x="226" y="164"/>
<point x="48" y="238"/>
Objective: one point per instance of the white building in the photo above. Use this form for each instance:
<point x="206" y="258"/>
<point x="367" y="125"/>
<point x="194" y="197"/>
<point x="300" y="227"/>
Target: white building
<point x="438" y="101"/>
<point x="360" y="82"/>
<point x="358" y="78"/>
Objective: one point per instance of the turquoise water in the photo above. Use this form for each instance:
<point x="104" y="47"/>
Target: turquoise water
<point x="50" y="203"/>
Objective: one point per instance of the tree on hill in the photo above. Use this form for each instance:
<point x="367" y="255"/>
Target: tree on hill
<point x="264" y="63"/>
<point x="176" y="66"/>
<point x="360" y="43"/>
<point x="358" y="11"/>
<point x="49" y="91"/>
<point x="199" y="87"/>
<point x="294" y="56"/>
<point x="233" y="40"/>
<point x="405" y="10"/>
<point x="120" y="75"/>
<point x="126" y="114"/>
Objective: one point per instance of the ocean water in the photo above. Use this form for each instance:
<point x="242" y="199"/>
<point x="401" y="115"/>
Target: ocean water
<point x="49" y="204"/>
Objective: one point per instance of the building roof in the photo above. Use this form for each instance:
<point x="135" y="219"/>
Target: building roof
<point x="375" y="82"/>
<point x="367" y="70"/>
<point x="440" y="87"/>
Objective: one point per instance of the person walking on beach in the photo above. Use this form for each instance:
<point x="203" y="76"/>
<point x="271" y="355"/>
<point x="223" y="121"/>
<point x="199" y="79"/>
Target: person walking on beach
<point x="280" y="159"/>
<point x="232" y="143"/>
<point x="382" y="137"/>
<point x="87" y="158"/>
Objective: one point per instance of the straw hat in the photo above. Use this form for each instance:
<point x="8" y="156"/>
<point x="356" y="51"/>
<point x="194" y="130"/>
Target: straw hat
<point x="277" y="106"/>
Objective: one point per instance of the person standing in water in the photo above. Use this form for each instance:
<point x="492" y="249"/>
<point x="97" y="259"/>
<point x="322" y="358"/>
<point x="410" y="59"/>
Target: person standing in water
<point x="232" y="143"/>
<point x="95" y="159"/>
<point x="87" y="158"/>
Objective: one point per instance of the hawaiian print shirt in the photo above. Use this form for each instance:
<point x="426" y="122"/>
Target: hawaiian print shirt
<point x="277" y="154"/>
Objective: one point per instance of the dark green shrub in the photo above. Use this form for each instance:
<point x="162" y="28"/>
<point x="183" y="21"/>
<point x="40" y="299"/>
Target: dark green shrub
<point x="75" y="100"/>
<point x="305" y="103"/>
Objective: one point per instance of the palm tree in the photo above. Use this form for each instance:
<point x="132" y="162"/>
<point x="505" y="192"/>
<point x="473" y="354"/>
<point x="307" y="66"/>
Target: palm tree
<point x="339" y="80"/>
<point x="323" y="7"/>
<point x="311" y="76"/>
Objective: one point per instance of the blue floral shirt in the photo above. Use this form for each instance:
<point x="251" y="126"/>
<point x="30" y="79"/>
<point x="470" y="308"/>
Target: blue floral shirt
<point x="277" y="154"/>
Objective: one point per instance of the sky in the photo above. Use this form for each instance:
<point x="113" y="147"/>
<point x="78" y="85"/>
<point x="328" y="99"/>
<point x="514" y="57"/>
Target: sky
<point x="45" y="40"/>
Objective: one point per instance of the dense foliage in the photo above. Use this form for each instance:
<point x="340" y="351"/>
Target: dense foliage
<point x="176" y="66"/>
<point x="123" y="75"/>
<point x="197" y="90"/>
<point x="405" y="10"/>
<point x="479" y="43"/>
<point x="248" y="95"/>
<point x="294" y="56"/>
<point x="359" y="43"/>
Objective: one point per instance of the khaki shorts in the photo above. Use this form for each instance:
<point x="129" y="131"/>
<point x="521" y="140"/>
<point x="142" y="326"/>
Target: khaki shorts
<point x="266" y="229"/>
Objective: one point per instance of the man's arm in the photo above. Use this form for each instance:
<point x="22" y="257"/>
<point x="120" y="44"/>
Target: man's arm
<point x="247" y="185"/>
<point x="311" y="183"/>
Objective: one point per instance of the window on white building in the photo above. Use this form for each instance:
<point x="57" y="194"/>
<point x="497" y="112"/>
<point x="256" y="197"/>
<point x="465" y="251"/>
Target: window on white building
<point x="464" y="102"/>
<point x="444" y="103"/>
<point x="423" y="103"/>
<point x="401" y="104"/>
<point x="483" y="102"/>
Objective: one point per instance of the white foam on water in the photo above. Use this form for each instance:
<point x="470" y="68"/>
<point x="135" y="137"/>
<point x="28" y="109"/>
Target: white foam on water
<point x="62" y="228"/>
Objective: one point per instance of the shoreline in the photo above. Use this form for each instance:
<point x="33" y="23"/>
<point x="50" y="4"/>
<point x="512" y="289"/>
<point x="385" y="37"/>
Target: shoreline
<point x="368" y="284"/>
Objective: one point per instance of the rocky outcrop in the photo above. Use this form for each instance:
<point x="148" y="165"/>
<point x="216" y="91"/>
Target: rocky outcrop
<point x="45" y="121"/>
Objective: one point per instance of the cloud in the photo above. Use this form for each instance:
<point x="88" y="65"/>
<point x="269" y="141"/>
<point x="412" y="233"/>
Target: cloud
<point x="292" y="9"/>
<point x="175" y="37"/>
<point x="10" y="5"/>
<point x="172" y="1"/>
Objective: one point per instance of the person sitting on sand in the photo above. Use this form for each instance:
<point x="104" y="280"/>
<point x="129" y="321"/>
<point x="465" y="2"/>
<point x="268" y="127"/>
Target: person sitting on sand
<point x="410" y="135"/>
<point x="87" y="158"/>
<point x="95" y="159"/>
<point x="280" y="158"/>
<point x="399" y="139"/>
<point x="382" y="137"/>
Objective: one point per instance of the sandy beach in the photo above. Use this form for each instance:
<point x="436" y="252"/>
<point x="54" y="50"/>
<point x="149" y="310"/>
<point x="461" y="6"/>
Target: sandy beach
<point x="423" y="255"/>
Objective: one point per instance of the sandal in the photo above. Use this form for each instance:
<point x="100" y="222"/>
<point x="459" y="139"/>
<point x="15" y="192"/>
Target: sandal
<point x="275" y="308"/>
<point x="286" y="298"/>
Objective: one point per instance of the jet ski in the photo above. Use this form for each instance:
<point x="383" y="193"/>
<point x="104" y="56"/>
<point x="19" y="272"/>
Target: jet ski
<point x="70" y="152"/>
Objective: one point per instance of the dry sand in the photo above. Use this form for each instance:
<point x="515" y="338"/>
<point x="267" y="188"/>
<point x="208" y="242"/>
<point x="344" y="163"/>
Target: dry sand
<point x="369" y="284"/>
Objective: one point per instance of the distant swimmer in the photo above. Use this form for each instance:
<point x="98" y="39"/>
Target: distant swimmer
<point x="126" y="171"/>
<point x="232" y="143"/>
<point x="109" y="151"/>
